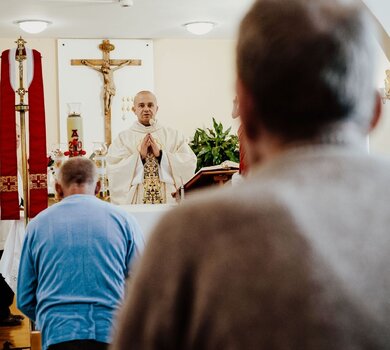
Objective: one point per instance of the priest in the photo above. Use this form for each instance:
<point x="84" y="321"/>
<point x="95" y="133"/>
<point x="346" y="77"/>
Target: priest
<point x="148" y="162"/>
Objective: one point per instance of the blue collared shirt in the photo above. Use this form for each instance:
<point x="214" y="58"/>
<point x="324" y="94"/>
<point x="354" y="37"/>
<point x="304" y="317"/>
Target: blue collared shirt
<point x="75" y="258"/>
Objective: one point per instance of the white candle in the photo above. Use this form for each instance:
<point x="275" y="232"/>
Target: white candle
<point x="75" y="135"/>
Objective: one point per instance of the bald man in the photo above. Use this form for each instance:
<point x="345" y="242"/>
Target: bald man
<point x="148" y="162"/>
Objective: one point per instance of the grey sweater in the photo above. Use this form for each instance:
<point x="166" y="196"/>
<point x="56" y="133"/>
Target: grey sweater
<point x="294" y="258"/>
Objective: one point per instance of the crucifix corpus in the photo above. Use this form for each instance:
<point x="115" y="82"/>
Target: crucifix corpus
<point x="106" y="67"/>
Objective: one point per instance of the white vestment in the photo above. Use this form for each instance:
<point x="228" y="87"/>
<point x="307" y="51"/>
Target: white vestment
<point x="125" y="169"/>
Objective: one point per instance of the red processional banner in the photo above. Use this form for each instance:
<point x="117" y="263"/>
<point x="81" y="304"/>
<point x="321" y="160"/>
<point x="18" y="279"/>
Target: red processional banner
<point x="37" y="155"/>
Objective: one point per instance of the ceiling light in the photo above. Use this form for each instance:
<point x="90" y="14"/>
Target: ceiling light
<point x="199" y="28"/>
<point x="126" y="3"/>
<point x="33" y="26"/>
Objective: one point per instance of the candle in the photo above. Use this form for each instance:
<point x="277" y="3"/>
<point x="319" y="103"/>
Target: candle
<point x="75" y="135"/>
<point x="75" y="130"/>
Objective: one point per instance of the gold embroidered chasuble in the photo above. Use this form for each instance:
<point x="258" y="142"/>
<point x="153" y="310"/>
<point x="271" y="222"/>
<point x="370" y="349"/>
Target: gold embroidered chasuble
<point x="153" y="193"/>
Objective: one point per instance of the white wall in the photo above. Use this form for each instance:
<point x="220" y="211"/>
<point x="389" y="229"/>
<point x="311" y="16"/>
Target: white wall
<point x="194" y="81"/>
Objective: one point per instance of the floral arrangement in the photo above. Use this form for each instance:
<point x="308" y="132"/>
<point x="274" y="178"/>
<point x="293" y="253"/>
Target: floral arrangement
<point x="214" y="146"/>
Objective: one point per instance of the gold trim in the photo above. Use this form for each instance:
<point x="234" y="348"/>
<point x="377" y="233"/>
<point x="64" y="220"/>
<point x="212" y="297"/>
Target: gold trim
<point x="152" y="185"/>
<point x="37" y="181"/>
<point x="8" y="184"/>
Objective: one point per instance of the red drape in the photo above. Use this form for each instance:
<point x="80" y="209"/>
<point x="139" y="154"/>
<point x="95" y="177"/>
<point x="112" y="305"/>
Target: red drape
<point x="37" y="141"/>
<point x="9" y="200"/>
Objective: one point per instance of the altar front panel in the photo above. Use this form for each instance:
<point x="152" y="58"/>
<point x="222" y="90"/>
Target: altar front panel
<point x="148" y="215"/>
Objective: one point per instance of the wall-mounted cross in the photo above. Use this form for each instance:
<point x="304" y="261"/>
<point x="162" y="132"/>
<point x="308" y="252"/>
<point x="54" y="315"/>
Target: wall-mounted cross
<point x="106" y="67"/>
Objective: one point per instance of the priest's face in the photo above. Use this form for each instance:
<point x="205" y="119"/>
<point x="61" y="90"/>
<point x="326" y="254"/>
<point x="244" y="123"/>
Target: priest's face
<point x="145" y="107"/>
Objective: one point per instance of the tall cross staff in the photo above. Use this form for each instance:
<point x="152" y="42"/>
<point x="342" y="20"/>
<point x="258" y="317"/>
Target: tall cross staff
<point x="22" y="108"/>
<point x="106" y="67"/>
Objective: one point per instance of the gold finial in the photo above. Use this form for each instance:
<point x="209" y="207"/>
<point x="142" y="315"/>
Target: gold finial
<point x="21" y="55"/>
<point x="20" y="42"/>
<point x="106" y="46"/>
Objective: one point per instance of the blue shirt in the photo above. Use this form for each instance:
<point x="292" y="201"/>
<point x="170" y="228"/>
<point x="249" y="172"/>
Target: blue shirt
<point x="75" y="258"/>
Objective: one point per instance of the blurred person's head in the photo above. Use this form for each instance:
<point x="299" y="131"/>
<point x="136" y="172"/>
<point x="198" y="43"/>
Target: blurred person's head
<point x="304" y="67"/>
<point x="77" y="175"/>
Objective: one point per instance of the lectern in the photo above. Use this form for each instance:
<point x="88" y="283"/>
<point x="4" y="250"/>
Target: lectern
<point x="209" y="176"/>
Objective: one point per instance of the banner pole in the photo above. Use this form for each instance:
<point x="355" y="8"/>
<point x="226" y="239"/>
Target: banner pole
<point x="22" y="108"/>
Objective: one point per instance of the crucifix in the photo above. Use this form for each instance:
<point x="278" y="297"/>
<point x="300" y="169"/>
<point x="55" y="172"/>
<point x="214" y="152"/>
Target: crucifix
<point x="106" y="67"/>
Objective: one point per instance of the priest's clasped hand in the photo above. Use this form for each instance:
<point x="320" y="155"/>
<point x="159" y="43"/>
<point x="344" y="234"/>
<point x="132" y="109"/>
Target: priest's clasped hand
<point x="150" y="145"/>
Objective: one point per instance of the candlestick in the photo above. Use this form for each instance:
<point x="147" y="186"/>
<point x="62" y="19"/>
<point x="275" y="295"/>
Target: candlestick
<point x="99" y="157"/>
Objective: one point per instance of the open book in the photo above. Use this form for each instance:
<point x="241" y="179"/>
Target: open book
<point x="227" y="164"/>
<point x="211" y="175"/>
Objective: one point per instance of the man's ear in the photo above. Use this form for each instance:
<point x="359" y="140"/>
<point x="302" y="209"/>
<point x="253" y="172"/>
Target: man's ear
<point x="59" y="190"/>
<point x="247" y="110"/>
<point x="98" y="187"/>
<point x="133" y="109"/>
<point x="377" y="113"/>
<point x="242" y="97"/>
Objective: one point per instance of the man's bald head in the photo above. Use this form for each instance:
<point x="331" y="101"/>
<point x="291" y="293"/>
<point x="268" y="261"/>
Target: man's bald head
<point x="144" y="93"/>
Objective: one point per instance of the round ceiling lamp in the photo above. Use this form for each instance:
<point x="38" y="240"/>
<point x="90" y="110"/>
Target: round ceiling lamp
<point x="199" y="28"/>
<point x="33" y="26"/>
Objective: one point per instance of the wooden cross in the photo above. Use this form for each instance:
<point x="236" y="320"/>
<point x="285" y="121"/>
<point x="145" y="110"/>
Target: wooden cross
<point x="106" y="67"/>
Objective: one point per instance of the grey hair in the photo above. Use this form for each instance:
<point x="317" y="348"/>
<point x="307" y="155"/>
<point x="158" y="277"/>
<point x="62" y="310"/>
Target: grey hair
<point x="77" y="170"/>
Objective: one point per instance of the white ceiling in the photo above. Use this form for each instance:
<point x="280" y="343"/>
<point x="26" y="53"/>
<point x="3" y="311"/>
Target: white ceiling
<point x="146" y="19"/>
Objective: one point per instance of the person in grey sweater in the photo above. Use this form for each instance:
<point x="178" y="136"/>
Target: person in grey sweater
<point x="296" y="256"/>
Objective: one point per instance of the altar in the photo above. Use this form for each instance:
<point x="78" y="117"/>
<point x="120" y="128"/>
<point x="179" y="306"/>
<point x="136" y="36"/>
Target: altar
<point x="147" y="215"/>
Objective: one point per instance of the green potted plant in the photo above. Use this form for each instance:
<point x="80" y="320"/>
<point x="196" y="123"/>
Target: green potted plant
<point x="214" y="146"/>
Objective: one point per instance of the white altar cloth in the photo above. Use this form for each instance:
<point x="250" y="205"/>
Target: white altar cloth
<point x="9" y="263"/>
<point x="147" y="215"/>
